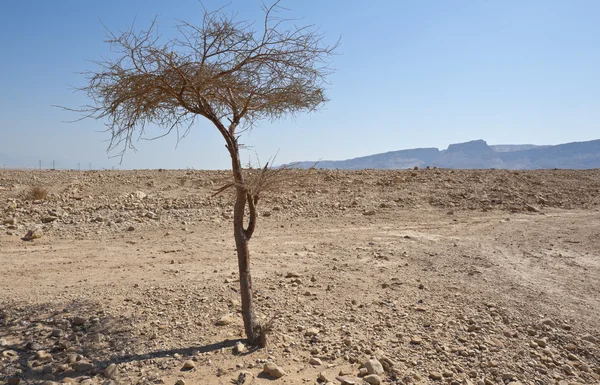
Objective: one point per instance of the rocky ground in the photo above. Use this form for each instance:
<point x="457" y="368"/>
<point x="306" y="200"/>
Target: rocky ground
<point x="370" y="277"/>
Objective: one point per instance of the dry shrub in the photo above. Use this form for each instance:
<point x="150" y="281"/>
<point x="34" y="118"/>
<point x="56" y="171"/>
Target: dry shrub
<point x="38" y="193"/>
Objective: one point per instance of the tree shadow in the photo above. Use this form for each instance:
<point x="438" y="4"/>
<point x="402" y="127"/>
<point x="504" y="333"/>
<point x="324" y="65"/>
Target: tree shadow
<point x="39" y="342"/>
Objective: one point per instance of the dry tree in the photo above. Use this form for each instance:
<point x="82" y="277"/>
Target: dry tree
<point x="233" y="73"/>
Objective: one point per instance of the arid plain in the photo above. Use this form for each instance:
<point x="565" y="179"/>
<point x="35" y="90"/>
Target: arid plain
<point x="442" y="276"/>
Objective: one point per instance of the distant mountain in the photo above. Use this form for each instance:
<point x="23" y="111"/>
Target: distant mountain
<point x="478" y="154"/>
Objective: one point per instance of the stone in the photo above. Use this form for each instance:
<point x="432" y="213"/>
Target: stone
<point x="416" y="340"/>
<point x="78" y="321"/>
<point x="373" y="366"/>
<point x="311" y="332"/>
<point x="227" y="319"/>
<point x="532" y="208"/>
<point x="548" y="322"/>
<point x="372" y="379"/>
<point x="589" y="338"/>
<point x="346" y="380"/>
<point x="180" y="382"/>
<point x="139" y="195"/>
<point x="315" y="361"/>
<point x="130" y="228"/>
<point x="111" y="371"/>
<point x="49" y="219"/>
<point x="369" y="213"/>
<point x="82" y="366"/>
<point x="13" y="381"/>
<point x="43" y="356"/>
<point x="9" y="221"/>
<point x="240" y="348"/>
<point x="272" y="370"/>
<point x="188" y="365"/>
<point x="436" y="376"/>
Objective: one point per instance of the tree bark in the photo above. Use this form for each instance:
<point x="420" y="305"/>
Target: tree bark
<point x="243" y="254"/>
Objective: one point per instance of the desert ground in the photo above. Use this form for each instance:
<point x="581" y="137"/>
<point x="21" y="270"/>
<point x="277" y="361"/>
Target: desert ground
<point x="428" y="276"/>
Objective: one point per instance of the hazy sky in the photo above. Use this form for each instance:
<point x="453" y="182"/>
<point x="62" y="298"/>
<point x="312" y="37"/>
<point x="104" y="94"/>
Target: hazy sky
<point x="424" y="73"/>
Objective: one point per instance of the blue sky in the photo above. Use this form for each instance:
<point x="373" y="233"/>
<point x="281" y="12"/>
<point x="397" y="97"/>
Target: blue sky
<point x="411" y="74"/>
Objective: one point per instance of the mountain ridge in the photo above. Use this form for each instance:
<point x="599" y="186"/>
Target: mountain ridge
<point x="477" y="154"/>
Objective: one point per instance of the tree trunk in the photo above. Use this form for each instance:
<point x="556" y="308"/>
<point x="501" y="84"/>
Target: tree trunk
<point x="241" y="243"/>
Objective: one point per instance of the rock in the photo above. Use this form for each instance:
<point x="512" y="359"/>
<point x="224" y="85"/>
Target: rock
<point x="346" y="380"/>
<point x="293" y="275"/>
<point x="57" y="333"/>
<point x="82" y="366"/>
<point x="532" y="208"/>
<point x="373" y="367"/>
<point x="315" y="361"/>
<point x="78" y="321"/>
<point x="43" y="356"/>
<point x="273" y="370"/>
<point x="436" y="376"/>
<point x="188" y="365"/>
<point x="311" y="332"/>
<point x="548" y="322"/>
<point x="589" y="338"/>
<point x="32" y="234"/>
<point x="416" y="340"/>
<point x="225" y="320"/>
<point x="239" y="348"/>
<point x="180" y="382"/>
<point x="372" y="379"/>
<point x="323" y="378"/>
<point x="111" y="371"/>
<point x="13" y="381"/>
<point x="266" y="214"/>
<point x="130" y="228"/>
<point x="369" y="212"/>
<point x="49" y="219"/>
<point x="9" y="221"/>
<point x="139" y="195"/>
<point x="33" y="346"/>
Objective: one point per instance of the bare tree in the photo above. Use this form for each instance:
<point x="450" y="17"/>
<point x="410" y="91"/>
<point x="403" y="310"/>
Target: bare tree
<point x="233" y="73"/>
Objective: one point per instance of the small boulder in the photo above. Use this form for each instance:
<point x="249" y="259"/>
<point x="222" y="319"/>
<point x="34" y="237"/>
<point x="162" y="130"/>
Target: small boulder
<point x="373" y="367"/>
<point x="188" y="365"/>
<point x="272" y="370"/>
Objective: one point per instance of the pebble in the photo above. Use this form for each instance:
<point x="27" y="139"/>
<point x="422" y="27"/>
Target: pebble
<point x="311" y="332"/>
<point x="111" y="371"/>
<point x="315" y="361"/>
<point x="416" y="340"/>
<point x="435" y="376"/>
<point x="548" y="322"/>
<point x="373" y="367"/>
<point x="225" y="320"/>
<point x="273" y="370"/>
<point x="346" y="380"/>
<point x="240" y="348"/>
<point x="372" y="379"/>
<point x="82" y="366"/>
<point x="188" y="365"/>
